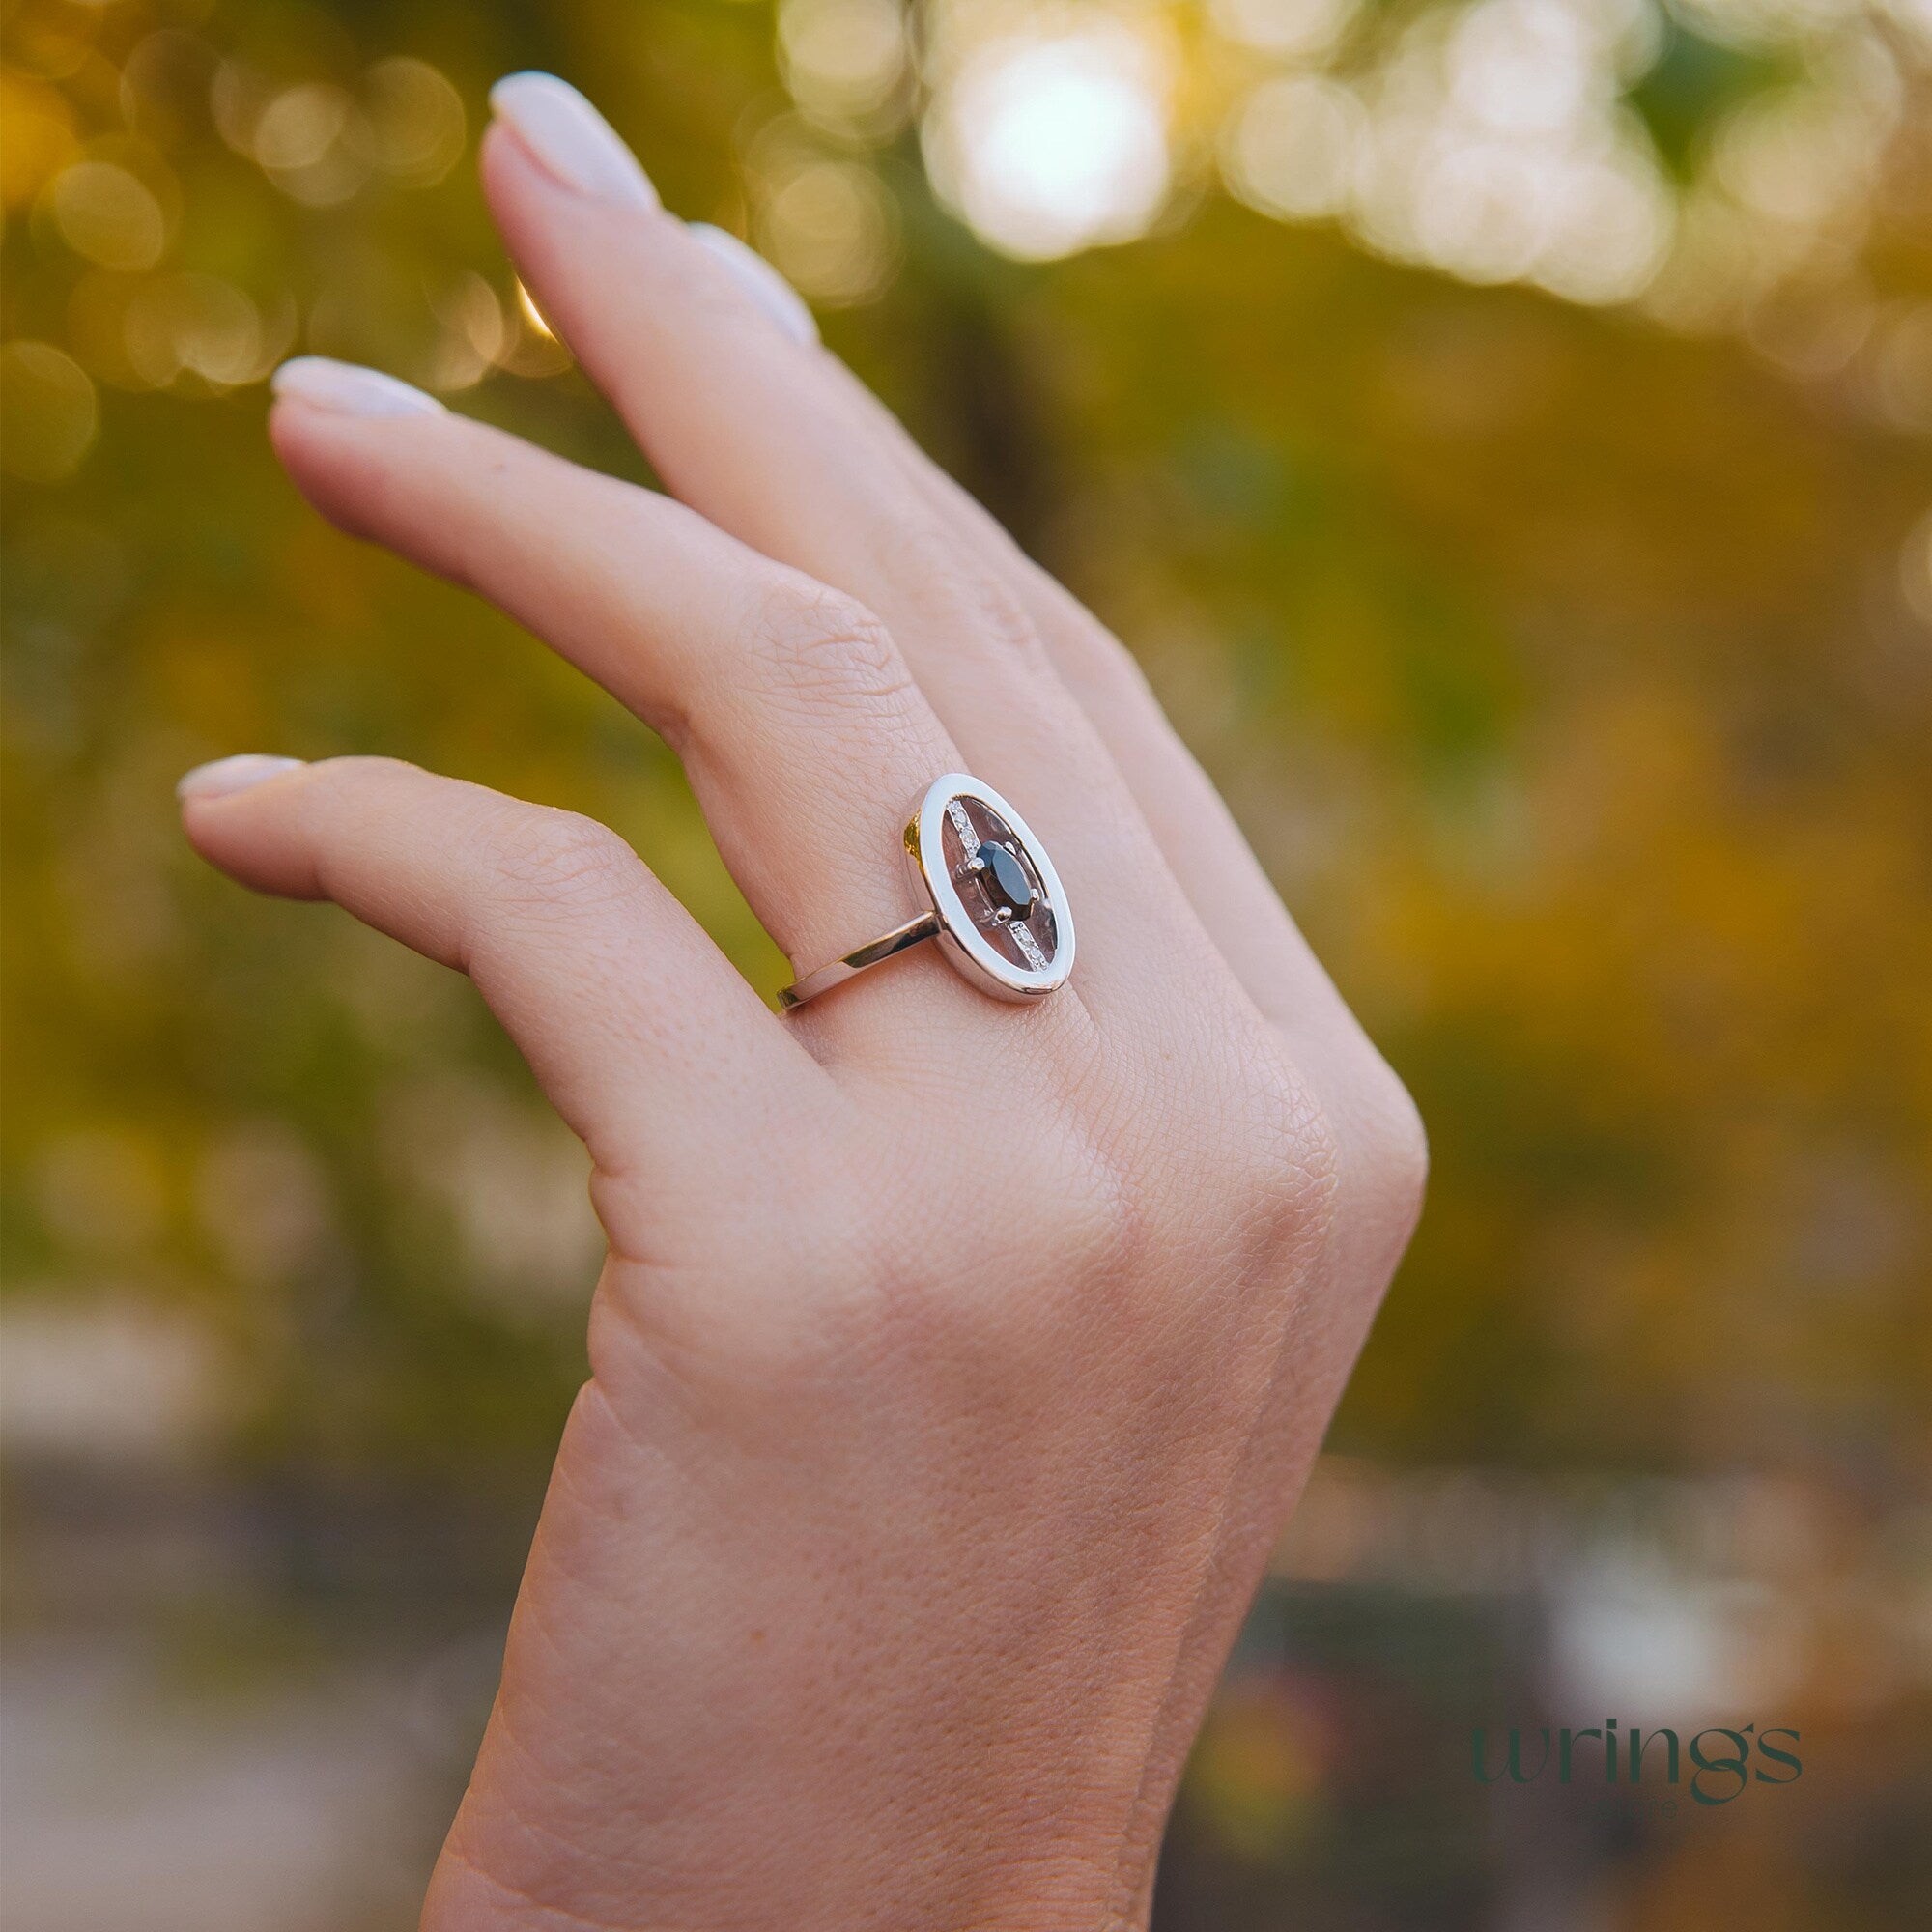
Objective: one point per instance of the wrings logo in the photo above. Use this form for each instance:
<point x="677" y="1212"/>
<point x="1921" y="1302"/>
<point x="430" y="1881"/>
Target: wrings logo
<point x="1635" y="1757"/>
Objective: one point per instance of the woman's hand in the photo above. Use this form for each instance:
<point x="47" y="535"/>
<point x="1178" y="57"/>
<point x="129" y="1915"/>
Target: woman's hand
<point x="956" y="1363"/>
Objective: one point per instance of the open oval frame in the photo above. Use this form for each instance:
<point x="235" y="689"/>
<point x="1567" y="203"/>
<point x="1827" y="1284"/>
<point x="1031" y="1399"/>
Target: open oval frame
<point x="961" y="936"/>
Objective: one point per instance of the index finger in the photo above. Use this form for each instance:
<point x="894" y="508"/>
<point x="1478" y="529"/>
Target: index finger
<point x="647" y="1041"/>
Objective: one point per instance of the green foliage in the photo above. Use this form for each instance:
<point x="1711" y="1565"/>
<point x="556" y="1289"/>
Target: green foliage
<point x="1540" y="651"/>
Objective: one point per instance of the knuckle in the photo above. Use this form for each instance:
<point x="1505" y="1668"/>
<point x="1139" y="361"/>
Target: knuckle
<point x="1269" y="1157"/>
<point x="1285" y="1176"/>
<point x="816" y="646"/>
<point x="1305" y="1161"/>
<point x="561" y="859"/>
<point x="1393" y="1151"/>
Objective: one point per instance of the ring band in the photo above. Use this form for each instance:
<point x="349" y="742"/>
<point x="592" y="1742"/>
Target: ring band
<point x="914" y="932"/>
<point x="993" y="900"/>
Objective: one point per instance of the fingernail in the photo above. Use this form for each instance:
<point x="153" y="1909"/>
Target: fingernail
<point x="348" y="389"/>
<point x="761" y="281"/>
<point x="568" y="135"/>
<point x="236" y="773"/>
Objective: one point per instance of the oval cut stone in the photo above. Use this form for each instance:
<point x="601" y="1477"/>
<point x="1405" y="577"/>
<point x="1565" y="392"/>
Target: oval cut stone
<point x="1005" y="880"/>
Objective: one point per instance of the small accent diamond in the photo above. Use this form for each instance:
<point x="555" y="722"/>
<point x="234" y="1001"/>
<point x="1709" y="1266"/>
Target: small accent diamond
<point x="969" y="840"/>
<point x="1028" y="944"/>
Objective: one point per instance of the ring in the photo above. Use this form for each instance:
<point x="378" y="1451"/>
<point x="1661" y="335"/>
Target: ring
<point x="992" y="900"/>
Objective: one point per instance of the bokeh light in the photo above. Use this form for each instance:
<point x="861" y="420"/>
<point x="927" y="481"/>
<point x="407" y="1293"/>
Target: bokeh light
<point x="1052" y="142"/>
<point x="822" y="217"/>
<point x="306" y="139"/>
<point x="40" y="135"/>
<point x="1499" y="151"/>
<point x="845" y="60"/>
<point x="1294" y="145"/>
<point x="1289" y="29"/>
<point x="202" y="325"/>
<point x="109" y="216"/>
<point x="476" y="334"/>
<point x="49" y="412"/>
<point x="412" y="124"/>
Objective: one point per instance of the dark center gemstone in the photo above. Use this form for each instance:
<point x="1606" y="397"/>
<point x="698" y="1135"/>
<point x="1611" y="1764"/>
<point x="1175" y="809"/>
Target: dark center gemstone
<point x="1005" y="881"/>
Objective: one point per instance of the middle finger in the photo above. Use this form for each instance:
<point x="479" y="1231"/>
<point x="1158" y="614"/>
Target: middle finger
<point x="663" y="327"/>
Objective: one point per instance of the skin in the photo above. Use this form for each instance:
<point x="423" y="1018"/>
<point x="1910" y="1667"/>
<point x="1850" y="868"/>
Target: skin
<point x="955" y="1365"/>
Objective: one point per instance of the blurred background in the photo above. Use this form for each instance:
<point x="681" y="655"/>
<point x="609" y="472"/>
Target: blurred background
<point x="1501" y="427"/>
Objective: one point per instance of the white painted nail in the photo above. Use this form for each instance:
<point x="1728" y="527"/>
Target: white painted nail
<point x="236" y="773"/>
<point x="761" y="281"/>
<point x="571" y="139"/>
<point x="349" y="389"/>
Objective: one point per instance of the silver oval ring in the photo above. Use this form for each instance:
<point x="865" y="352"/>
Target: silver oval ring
<point x="992" y="900"/>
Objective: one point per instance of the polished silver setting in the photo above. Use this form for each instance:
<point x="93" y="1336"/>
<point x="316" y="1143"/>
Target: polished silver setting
<point x="992" y="900"/>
